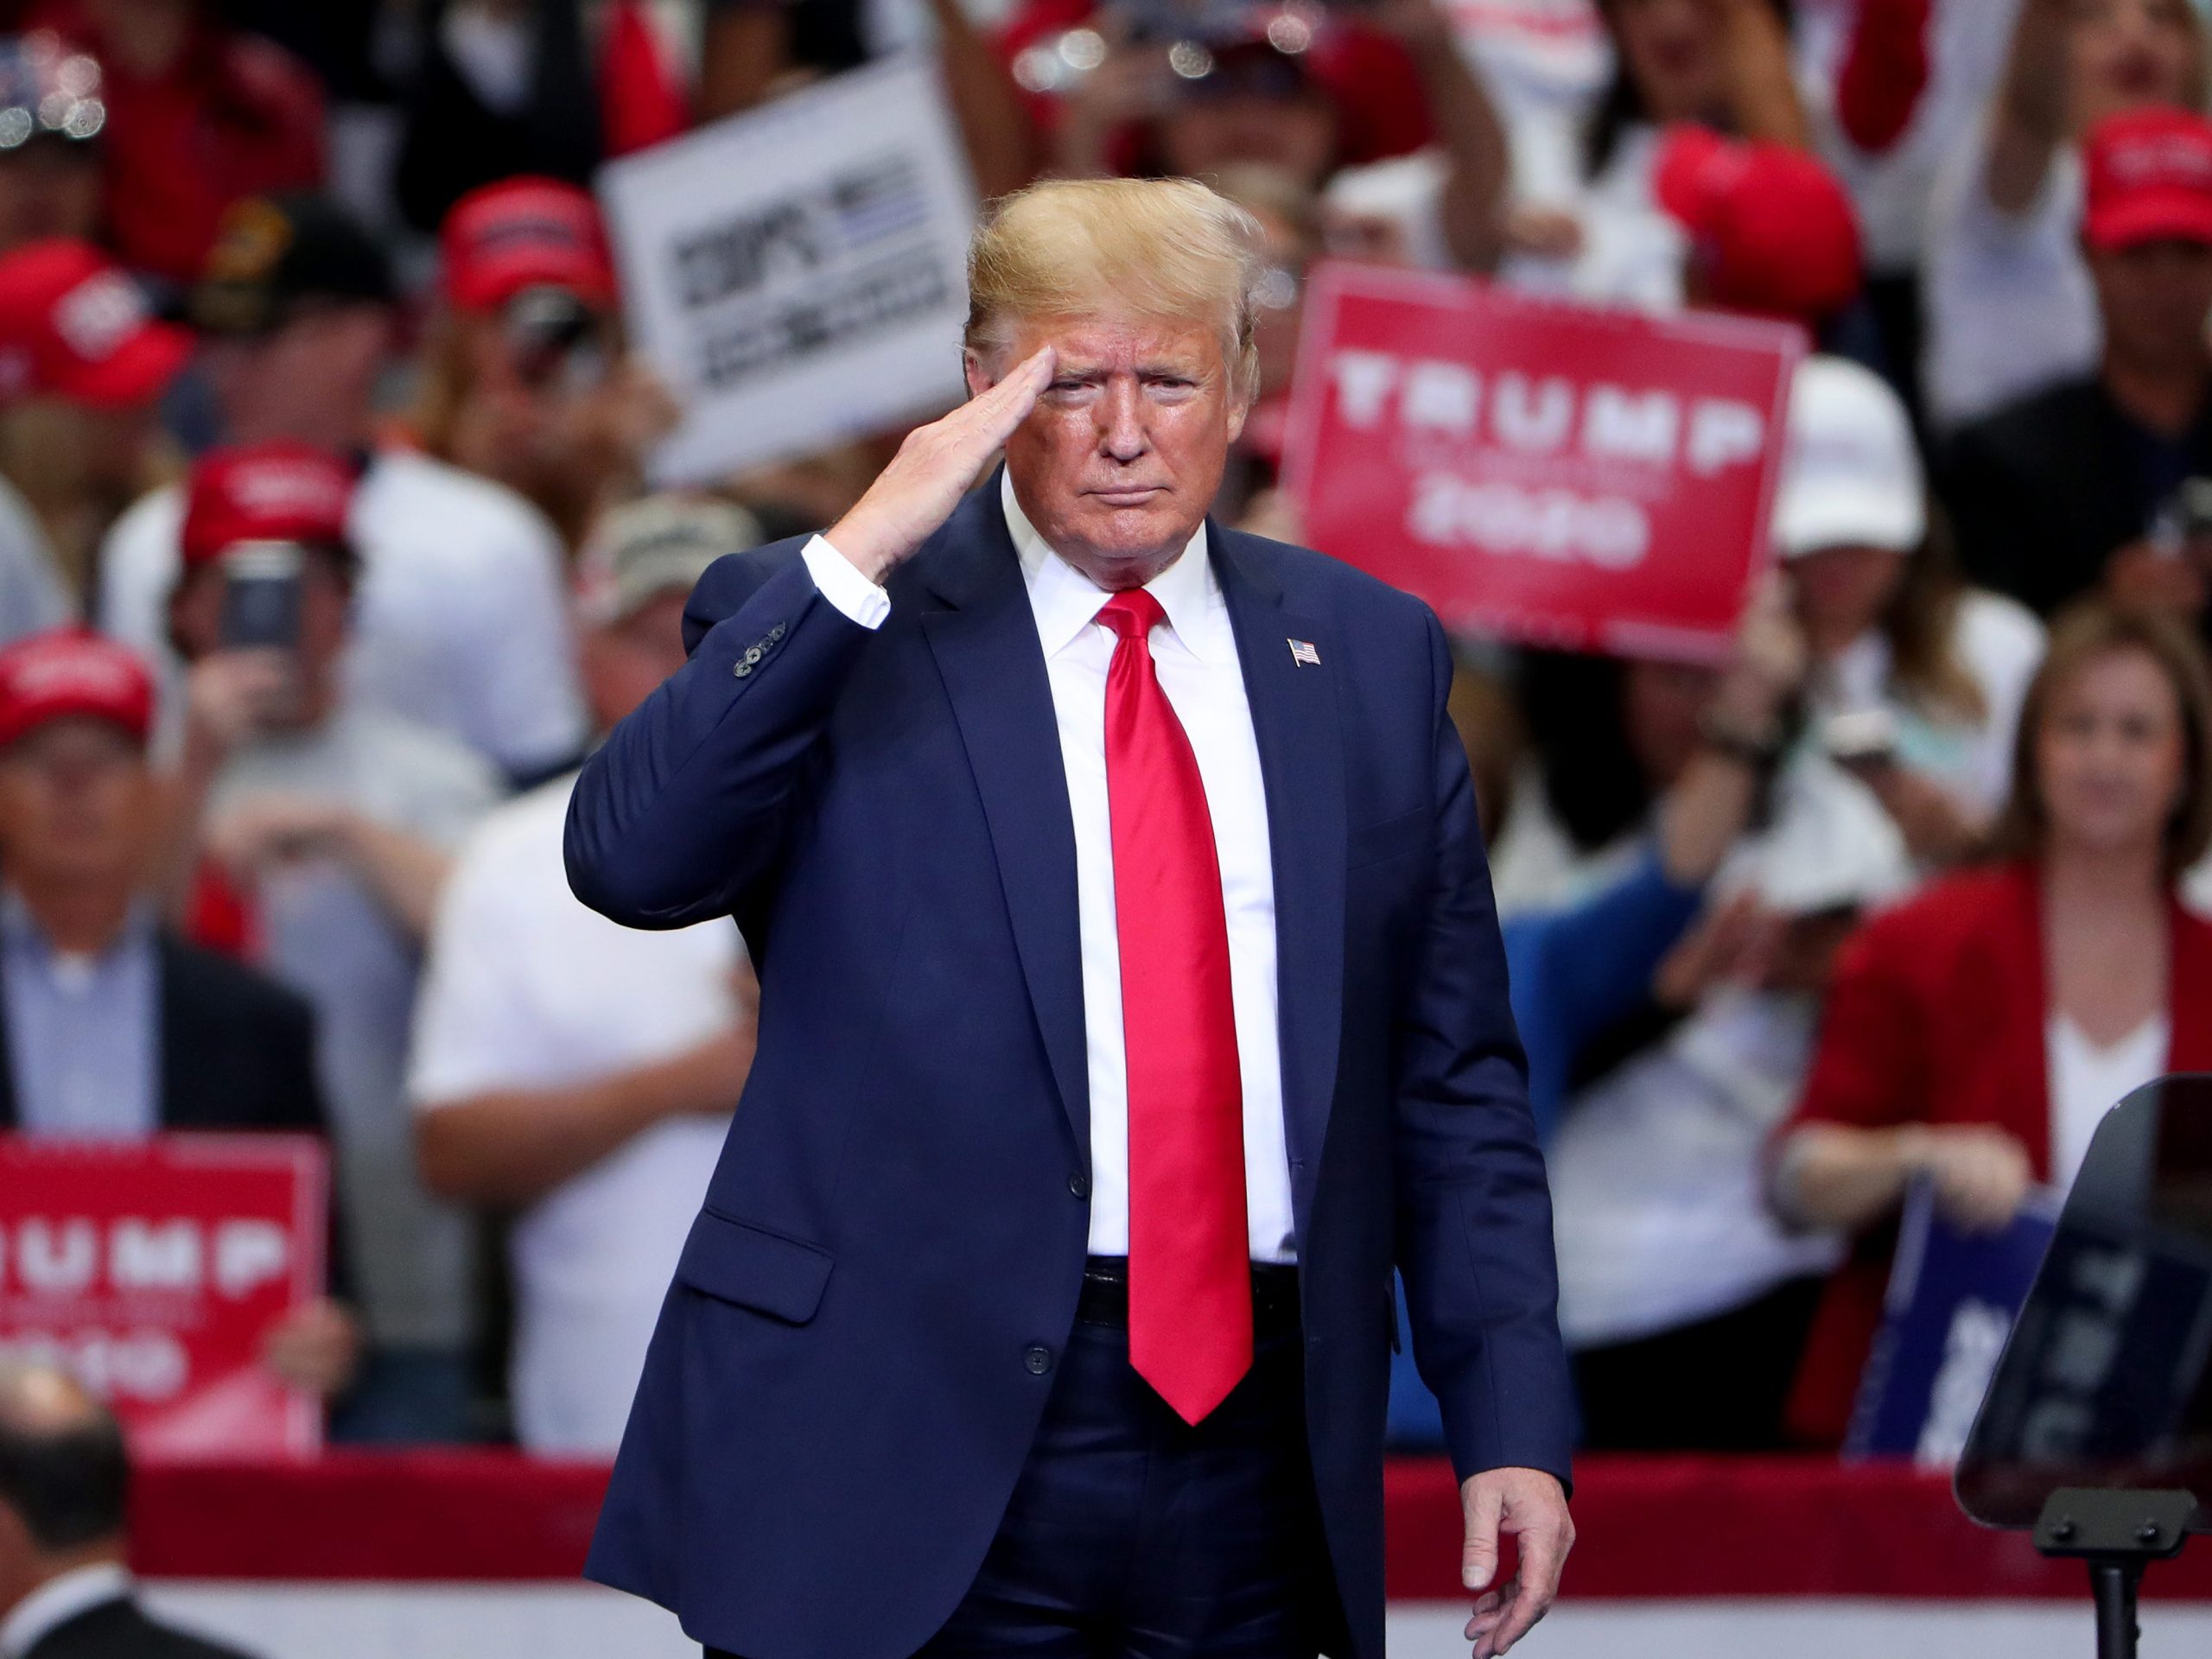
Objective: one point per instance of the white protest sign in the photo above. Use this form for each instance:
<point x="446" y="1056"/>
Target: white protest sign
<point x="796" y="275"/>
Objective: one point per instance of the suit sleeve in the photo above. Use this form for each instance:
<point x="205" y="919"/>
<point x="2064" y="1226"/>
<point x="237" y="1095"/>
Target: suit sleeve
<point x="1577" y="971"/>
<point x="1474" y="1215"/>
<point x="684" y="809"/>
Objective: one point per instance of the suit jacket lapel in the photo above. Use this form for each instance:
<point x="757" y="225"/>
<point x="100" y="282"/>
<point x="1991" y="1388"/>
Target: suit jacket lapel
<point x="1295" y="719"/>
<point x="185" y="1065"/>
<point x="993" y="667"/>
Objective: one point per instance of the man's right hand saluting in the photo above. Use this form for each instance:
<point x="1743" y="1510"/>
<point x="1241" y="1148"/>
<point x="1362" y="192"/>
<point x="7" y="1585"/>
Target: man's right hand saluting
<point x="934" y="468"/>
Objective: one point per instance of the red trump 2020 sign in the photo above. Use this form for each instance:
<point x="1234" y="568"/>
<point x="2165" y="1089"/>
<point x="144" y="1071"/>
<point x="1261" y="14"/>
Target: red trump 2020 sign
<point x="154" y="1268"/>
<point x="1546" y="472"/>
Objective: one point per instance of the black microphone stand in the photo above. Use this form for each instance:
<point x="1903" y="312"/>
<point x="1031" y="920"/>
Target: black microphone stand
<point x="2119" y="1533"/>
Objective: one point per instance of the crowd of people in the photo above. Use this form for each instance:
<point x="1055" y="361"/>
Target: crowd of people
<point x="326" y="551"/>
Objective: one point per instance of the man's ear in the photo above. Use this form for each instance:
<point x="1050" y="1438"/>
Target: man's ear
<point x="1239" y="407"/>
<point x="979" y="377"/>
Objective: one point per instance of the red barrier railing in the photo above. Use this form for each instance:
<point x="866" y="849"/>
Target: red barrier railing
<point x="1671" y="1527"/>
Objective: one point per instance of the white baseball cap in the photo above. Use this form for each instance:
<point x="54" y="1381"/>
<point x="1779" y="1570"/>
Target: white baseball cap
<point x="653" y="545"/>
<point x="1851" y="476"/>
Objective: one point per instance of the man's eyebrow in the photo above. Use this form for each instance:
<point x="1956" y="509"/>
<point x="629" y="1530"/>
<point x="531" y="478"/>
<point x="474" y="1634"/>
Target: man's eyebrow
<point x="1181" y="368"/>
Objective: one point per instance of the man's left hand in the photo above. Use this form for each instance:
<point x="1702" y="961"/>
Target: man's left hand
<point x="1532" y="1506"/>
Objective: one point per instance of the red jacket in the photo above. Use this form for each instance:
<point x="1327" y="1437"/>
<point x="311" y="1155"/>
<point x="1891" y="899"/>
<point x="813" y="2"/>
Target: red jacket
<point x="1936" y="1015"/>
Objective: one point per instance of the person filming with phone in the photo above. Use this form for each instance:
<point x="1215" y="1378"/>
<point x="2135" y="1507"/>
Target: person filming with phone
<point x="332" y="820"/>
<point x="527" y="378"/>
<point x="1917" y="676"/>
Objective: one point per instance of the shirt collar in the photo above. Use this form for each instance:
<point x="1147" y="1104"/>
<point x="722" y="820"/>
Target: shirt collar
<point x="1066" y="602"/>
<point x="57" y="1601"/>
<point x="20" y="930"/>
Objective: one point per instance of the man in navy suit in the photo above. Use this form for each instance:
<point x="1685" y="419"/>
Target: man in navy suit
<point x="1132" y="1003"/>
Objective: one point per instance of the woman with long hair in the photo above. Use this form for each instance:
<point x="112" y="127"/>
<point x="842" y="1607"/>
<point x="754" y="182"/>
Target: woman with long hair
<point x="1975" y="1035"/>
<point x="1916" y="677"/>
<point x="1723" y="65"/>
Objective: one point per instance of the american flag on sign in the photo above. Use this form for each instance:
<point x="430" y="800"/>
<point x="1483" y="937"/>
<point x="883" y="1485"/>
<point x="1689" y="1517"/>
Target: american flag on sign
<point x="1302" y="653"/>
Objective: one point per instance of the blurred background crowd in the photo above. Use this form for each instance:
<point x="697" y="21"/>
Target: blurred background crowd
<point x="325" y="550"/>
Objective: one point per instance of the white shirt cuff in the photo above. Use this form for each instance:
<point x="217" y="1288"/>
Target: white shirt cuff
<point x="843" y="586"/>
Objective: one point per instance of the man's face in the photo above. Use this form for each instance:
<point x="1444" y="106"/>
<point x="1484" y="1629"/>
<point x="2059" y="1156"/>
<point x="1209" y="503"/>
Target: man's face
<point x="77" y="803"/>
<point x="624" y="661"/>
<point x="49" y="187"/>
<point x="114" y="447"/>
<point x="300" y="379"/>
<point x="1662" y="705"/>
<point x="2129" y="54"/>
<point x="1121" y="458"/>
<point x="326" y="596"/>
<point x="1675" y="53"/>
<point x="1296" y="132"/>
<point x="2154" y="298"/>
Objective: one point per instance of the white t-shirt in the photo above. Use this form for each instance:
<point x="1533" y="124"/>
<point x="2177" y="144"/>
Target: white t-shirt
<point x="32" y="598"/>
<point x="460" y="623"/>
<point x="526" y="989"/>
<point x="1404" y="191"/>
<point x="2086" y="1082"/>
<point x="327" y="936"/>
<point x="1633" y="251"/>
<point x="1967" y="41"/>
<point x="2000" y="644"/>
<point x="2010" y="307"/>
<point x="1655" y="1176"/>
<point x="1544" y="63"/>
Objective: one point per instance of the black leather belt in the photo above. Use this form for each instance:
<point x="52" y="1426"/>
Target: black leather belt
<point x="1105" y="1299"/>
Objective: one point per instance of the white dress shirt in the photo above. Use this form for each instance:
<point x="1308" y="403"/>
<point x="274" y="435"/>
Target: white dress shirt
<point x="1194" y="653"/>
<point x="57" y="1601"/>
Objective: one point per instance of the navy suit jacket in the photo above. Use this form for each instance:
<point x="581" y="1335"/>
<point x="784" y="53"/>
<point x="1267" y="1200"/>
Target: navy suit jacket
<point x="851" y="1365"/>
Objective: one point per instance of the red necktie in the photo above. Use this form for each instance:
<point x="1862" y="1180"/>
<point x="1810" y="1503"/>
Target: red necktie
<point x="1190" y="1274"/>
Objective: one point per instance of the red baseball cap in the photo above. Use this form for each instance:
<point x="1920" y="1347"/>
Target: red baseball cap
<point x="276" y="492"/>
<point x="74" y="324"/>
<point x="72" y="671"/>
<point x="2150" y="180"/>
<point x="525" y="232"/>
<point x="1775" y="232"/>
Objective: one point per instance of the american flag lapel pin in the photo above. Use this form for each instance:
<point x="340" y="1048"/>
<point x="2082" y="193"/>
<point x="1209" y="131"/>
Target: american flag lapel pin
<point x="1303" y="654"/>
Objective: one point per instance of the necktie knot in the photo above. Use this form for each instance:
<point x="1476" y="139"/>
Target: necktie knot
<point x="1133" y="615"/>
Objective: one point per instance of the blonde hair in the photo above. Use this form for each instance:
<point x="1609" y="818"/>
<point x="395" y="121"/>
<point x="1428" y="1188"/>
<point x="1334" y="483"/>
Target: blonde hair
<point x="1164" y="250"/>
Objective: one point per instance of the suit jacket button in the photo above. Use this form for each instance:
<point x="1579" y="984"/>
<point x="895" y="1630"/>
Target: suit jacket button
<point x="1039" y="1360"/>
<point x="744" y="669"/>
<point x="1079" y="1184"/>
